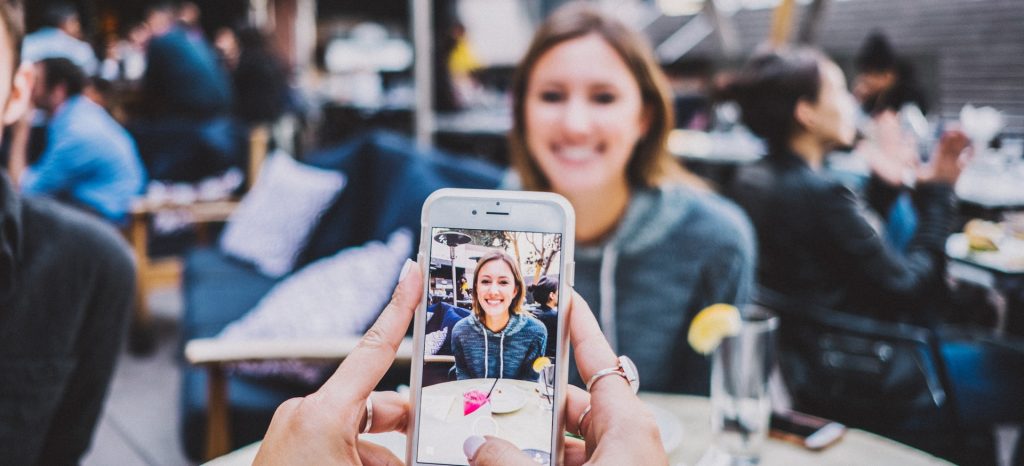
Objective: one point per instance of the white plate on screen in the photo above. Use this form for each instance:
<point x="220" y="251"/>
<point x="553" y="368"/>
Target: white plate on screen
<point x="505" y="399"/>
<point x="669" y="425"/>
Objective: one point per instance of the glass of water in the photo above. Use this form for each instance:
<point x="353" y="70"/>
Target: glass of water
<point x="740" y="403"/>
<point x="546" y="386"/>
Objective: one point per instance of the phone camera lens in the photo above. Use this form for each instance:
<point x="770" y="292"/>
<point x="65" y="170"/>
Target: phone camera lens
<point x="498" y="203"/>
<point x="474" y="212"/>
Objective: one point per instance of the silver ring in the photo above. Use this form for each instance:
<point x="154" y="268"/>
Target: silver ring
<point x="625" y="369"/>
<point x="579" y="423"/>
<point x="369" y="415"/>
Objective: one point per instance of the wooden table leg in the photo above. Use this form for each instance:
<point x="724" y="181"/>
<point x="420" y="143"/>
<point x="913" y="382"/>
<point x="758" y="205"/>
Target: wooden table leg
<point x="141" y="339"/>
<point x="218" y="435"/>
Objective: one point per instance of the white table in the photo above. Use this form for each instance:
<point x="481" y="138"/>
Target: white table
<point x="856" y="448"/>
<point x="445" y="428"/>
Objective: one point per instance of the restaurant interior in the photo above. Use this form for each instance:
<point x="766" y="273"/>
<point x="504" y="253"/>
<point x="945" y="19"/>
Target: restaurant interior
<point x="298" y="200"/>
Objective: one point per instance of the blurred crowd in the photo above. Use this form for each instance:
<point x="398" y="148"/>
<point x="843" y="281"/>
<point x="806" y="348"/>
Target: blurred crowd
<point x="176" y="107"/>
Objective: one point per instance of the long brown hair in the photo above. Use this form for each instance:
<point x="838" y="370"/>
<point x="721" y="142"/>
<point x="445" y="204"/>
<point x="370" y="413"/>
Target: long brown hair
<point x="650" y="164"/>
<point x="516" y="307"/>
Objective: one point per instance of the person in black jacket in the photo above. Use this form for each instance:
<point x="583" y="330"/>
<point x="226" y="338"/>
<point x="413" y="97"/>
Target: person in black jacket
<point x="545" y="295"/>
<point x="815" y="239"/>
<point x="66" y="286"/>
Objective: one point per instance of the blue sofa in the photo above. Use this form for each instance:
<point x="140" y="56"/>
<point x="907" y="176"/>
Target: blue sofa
<point x="388" y="180"/>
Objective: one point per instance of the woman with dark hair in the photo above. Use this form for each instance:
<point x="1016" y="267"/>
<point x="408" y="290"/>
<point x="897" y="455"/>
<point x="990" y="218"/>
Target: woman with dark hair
<point x="814" y="242"/>
<point x="817" y="246"/>
<point x="545" y="294"/>
<point x="884" y="80"/>
<point x="591" y="116"/>
<point x="498" y="339"/>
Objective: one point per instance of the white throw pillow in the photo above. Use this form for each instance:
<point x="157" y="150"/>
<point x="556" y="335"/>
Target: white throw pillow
<point x="336" y="296"/>
<point x="275" y="218"/>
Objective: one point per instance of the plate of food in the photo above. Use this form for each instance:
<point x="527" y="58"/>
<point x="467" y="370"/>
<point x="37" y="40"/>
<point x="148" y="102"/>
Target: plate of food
<point x="505" y="398"/>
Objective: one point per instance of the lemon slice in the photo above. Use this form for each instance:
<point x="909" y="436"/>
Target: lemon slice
<point x="540" y="363"/>
<point x="711" y="324"/>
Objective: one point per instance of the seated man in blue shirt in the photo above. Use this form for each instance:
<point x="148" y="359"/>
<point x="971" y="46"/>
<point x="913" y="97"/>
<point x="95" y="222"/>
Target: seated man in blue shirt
<point x="89" y="160"/>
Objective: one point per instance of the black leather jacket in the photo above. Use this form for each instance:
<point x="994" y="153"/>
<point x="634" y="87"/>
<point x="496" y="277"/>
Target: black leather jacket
<point x="816" y="244"/>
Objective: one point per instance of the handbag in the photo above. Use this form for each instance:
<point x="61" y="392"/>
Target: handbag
<point x="859" y="370"/>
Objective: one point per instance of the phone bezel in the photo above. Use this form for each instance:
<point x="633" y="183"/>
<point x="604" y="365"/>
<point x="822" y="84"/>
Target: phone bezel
<point x="496" y="210"/>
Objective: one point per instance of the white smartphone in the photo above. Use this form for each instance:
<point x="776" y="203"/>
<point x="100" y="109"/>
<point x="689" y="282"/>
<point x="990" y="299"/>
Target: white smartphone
<point x="491" y="346"/>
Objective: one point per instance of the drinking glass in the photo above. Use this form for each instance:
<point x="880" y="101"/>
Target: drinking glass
<point x="546" y="386"/>
<point x="740" y="403"/>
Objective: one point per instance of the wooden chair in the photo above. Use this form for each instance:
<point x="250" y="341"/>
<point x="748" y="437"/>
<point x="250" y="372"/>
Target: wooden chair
<point x="154" y="273"/>
<point x="215" y="355"/>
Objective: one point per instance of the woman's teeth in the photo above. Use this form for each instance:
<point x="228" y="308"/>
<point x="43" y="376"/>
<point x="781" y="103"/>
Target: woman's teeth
<point x="576" y="153"/>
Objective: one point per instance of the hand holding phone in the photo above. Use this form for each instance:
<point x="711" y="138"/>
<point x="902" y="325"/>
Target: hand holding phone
<point x="309" y="430"/>
<point x="634" y="438"/>
<point x="498" y="267"/>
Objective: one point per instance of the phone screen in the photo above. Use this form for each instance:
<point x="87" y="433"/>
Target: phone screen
<point x="490" y="339"/>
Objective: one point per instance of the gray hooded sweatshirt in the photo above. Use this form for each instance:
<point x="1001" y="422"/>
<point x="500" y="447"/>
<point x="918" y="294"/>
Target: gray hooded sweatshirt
<point x="675" y="252"/>
<point x="481" y="353"/>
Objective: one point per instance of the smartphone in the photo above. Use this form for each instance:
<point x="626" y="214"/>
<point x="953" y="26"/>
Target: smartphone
<point x="490" y="335"/>
<point x="808" y="431"/>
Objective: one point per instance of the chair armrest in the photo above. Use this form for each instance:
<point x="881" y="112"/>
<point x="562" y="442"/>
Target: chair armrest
<point x="217" y="351"/>
<point x="200" y="211"/>
<point x="213" y="353"/>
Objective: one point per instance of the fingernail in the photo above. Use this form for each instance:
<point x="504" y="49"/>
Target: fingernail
<point x="471" y="445"/>
<point x="405" y="270"/>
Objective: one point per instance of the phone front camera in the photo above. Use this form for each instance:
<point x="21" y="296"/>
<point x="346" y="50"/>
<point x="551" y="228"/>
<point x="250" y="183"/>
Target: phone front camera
<point x="498" y="203"/>
<point x="474" y="212"/>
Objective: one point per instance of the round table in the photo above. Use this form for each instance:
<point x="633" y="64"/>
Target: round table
<point x="693" y="414"/>
<point x="856" y="447"/>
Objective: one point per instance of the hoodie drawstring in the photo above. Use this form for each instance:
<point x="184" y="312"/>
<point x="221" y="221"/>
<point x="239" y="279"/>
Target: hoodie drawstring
<point x="609" y="259"/>
<point x="501" y="355"/>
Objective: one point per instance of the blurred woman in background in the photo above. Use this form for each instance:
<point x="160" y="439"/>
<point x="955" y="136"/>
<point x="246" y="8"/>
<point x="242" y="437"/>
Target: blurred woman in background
<point x="814" y="241"/>
<point x="818" y="247"/>
<point x="591" y="116"/>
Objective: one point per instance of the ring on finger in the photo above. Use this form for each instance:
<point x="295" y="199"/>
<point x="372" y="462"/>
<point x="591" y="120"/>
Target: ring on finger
<point x="579" y="424"/>
<point x="369" y="414"/>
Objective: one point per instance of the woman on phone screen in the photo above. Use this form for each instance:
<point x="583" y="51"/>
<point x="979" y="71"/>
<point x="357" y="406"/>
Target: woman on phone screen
<point x="499" y="339"/>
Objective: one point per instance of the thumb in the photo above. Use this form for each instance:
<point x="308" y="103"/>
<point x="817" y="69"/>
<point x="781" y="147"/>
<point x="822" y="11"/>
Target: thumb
<point x="493" y="451"/>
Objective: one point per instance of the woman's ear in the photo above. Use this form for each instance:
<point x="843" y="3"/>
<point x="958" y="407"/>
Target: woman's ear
<point x="20" y="99"/>
<point x="805" y="114"/>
